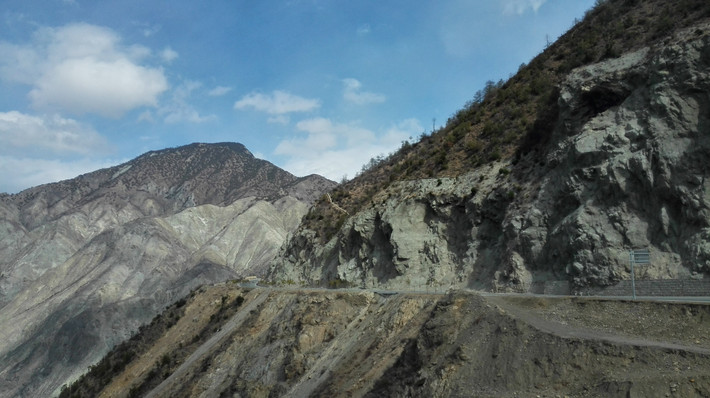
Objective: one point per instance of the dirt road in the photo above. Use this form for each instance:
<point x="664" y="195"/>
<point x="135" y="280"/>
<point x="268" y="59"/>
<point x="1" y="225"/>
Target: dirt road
<point x="538" y="320"/>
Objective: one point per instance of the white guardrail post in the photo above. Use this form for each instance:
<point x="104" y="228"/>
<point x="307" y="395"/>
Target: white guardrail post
<point x="638" y="256"/>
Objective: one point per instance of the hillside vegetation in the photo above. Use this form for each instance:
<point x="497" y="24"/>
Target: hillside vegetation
<point x="512" y="119"/>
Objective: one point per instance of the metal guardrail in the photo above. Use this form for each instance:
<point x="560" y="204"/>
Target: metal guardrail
<point x="638" y="257"/>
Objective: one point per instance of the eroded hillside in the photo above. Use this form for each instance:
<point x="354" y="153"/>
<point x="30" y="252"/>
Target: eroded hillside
<point x="85" y="262"/>
<point x="228" y="341"/>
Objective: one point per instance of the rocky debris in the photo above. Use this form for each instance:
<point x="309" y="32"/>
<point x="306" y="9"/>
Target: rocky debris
<point x="84" y="262"/>
<point x="624" y="167"/>
<point x="486" y="351"/>
<point x="346" y="343"/>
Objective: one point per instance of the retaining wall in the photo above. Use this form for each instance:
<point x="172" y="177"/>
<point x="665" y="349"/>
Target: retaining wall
<point x="656" y="287"/>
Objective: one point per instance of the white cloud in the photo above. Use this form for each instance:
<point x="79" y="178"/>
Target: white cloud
<point x="352" y="93"/>
<point x="47" y="135"/>
<point x="17" y="174"/>
<point x="279" y="102"/>
<point x="322" y="135"/>
<point x="178" y="109"/>
<point x="149" y="31"/>
<point x="279" y="119"/>
<point x="146" y="116"/>
<point x="38" y="149"/>
<point x="337" y="149"/>
<point x="82" y="68"/>
<point x="168" y="54"/>
<point x="363" y="30"/>
<point x="519" y="7"/>
<point x="219" y="91"/>
<point x="92" y="86"/>
<point x="405" y="130"/>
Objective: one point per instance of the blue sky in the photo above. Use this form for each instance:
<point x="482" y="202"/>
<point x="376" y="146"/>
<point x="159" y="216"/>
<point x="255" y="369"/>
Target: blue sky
<point x="314" y="86"/>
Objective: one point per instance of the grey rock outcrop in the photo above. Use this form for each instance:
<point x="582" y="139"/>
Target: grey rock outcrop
<point x="624" y="167"/>
<point x="84" y="262"/>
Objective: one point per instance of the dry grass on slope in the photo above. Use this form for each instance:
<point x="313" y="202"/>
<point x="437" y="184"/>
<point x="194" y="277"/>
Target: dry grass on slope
<point x="158" y="348"/>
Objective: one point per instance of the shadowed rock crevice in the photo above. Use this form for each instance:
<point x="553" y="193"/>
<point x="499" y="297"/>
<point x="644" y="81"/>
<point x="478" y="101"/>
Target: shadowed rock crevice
<point x="383" y="253"/>
<point x="600" y="98"/>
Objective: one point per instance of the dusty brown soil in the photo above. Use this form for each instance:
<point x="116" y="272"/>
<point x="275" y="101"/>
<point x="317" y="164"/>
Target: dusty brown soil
<point x="682" y="324"/>
<point x="353" y="344"/>
<point x="521" y="347"/>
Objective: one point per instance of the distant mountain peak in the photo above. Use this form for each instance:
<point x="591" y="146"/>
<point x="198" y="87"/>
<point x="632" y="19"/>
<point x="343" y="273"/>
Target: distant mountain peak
<point x="235" y="147"/>
<point x="173" y="179"/>
<point x="119" y="243"/>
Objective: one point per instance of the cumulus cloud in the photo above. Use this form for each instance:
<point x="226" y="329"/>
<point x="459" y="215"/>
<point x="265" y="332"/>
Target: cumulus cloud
<point x="279" y="102"/>
<point x="335" y="149"/>
<point x="150" y="30"/>
<point x="519" y="7"/>
<point x="82" y="68"/>
<point x="279" y="119"/>
<point x="219" y="91"/>
<point x="91" y="86"/>
<point x="353" y="93"/>
<point x="47" y="136"/>
<point x="323" y="134"/>
<point x="404" y="130"/>
<point x="177" y="108"/>
<point x="168" y="54"/>
<point x="53" y="148"/>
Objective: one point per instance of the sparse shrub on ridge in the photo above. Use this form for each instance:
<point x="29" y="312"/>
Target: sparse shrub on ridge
<point x="514" y="118"/>
<point x="102" y="373"/>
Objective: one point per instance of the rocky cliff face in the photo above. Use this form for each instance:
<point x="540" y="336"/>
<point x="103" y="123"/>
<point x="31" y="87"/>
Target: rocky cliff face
<point x="84" y="262"/>
<point x="620" y="163"/>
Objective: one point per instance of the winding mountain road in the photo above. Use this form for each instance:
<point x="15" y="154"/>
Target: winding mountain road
<point x="572" y="332"/>
<point x="536" y="320"/>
